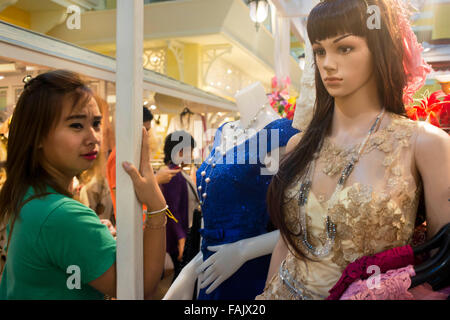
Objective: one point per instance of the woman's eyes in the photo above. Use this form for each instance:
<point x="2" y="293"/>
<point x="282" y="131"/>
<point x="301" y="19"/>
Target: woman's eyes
<point x="76" y="125"/>
<point x="96" y="124"/>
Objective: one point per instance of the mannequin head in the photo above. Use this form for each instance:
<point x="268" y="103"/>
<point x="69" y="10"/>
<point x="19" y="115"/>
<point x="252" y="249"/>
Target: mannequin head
<point x="366" y="54"/>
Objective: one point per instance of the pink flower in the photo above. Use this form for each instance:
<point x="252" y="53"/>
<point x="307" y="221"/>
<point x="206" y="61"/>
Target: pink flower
<point x="274" y="82"/>
<point x="286" y="82"/>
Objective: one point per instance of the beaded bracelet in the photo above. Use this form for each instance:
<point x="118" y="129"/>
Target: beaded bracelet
<point x="158" y="211"/>
<point x="166" y="210"/>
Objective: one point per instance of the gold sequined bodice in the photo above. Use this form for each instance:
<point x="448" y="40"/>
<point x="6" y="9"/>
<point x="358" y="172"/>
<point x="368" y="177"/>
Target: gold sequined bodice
<point x="376" y="209"/>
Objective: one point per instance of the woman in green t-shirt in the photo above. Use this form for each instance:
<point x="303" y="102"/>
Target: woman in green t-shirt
<point x="57" y="247"/>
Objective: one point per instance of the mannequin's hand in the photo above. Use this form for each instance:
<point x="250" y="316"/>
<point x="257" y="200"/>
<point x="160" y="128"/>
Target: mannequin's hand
<point x="221" y="265"/>
<point x="183" y="286"/>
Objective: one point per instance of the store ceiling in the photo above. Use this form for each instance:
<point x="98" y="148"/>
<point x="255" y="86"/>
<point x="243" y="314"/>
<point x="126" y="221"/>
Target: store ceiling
<point x="52" y="5"/>
<point x="203" y="22"/>
<point x="295" y="8"/>
<point x="40" y="5"/>
<point x="172" y="105"/>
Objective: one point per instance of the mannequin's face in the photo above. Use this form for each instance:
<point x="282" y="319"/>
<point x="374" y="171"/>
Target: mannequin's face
<point x="345" y="64"/>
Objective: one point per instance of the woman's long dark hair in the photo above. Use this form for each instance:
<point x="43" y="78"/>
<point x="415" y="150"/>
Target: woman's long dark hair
<point x="327" y="20"/>
<point x="37" y="112"/>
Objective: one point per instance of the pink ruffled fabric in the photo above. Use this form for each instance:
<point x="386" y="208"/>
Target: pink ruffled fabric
<point x="425" y="292"/>
<point x="395" y="258"/>
<point x="392" y="285"/>
<point x="415" y="67"/>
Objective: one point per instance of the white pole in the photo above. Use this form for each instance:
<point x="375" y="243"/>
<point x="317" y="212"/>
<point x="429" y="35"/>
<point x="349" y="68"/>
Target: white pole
<point x="129" y="82"/>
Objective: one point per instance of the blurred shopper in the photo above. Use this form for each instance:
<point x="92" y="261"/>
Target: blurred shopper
<point x="179" y="193"/>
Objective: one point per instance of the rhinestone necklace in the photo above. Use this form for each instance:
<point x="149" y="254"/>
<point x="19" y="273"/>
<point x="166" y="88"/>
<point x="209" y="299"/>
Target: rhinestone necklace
<point x="220" y="150"/>
<point x="239" y="131"/>
<point x="305" y="187"/>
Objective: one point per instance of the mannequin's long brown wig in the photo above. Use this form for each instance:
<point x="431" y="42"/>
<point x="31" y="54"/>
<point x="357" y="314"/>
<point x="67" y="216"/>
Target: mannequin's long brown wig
<point x="37" y="112"/>
<point x="329" y="19"/>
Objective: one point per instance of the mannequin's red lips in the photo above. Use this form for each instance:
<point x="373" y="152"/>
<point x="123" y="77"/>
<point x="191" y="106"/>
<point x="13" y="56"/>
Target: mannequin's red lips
<point x="90" y="156"/>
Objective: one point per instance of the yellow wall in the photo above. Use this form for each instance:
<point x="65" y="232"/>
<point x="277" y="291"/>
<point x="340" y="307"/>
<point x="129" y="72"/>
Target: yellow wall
<point x="440" y="20"/>
<point x="16" y="16"/>
<point x="441" y="25"/>
<point x="111" y="4"/>
<point x="172" y="66"/>
<point x="192" y="67"/>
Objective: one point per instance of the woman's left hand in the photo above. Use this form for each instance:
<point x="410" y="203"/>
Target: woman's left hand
<point x="144" y="180"/>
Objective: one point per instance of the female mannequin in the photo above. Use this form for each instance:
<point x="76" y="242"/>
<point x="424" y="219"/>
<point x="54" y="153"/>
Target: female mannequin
<point x="228" y="257"/>
<point x="350" y="183"/>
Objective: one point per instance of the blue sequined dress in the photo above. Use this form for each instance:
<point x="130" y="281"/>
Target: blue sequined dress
<point x="235" y="204"/>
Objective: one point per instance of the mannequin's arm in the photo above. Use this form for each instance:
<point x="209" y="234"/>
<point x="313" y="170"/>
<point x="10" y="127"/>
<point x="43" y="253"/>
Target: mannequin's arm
<point x="230" y="257"/>
<point x="278" y="255"/>
<point x="432" y="156"/>
<point x="183" y="286"/>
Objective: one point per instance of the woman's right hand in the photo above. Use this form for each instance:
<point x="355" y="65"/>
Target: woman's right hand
<point x="144" y="180"/>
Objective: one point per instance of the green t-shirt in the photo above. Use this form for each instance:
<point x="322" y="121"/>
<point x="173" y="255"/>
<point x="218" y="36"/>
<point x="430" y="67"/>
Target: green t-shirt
<point x="57" y="245"/>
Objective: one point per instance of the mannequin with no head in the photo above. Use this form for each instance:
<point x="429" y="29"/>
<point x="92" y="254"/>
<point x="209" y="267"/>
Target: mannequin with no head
<point x="256" y="114"/>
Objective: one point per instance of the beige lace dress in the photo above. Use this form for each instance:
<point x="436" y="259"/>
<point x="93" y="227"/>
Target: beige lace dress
<point x="376" y="210"/>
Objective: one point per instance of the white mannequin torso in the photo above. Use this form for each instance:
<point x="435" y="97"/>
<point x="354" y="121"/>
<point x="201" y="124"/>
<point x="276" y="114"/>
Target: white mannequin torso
<point x="250" y="102"/>
<point x="256" y="113"/>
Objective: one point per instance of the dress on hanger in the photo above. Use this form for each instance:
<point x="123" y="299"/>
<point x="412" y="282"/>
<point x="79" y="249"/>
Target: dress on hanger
<point x="372" y="214"/>
<point x="235" y="209"/>
<point x="186" y="123"/>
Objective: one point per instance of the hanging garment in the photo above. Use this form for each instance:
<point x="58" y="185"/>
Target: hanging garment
<point x="187" y="122"/>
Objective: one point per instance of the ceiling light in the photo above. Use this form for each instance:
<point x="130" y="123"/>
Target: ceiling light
<point x="259" y="10"/>
<point x="8" y="67"/>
